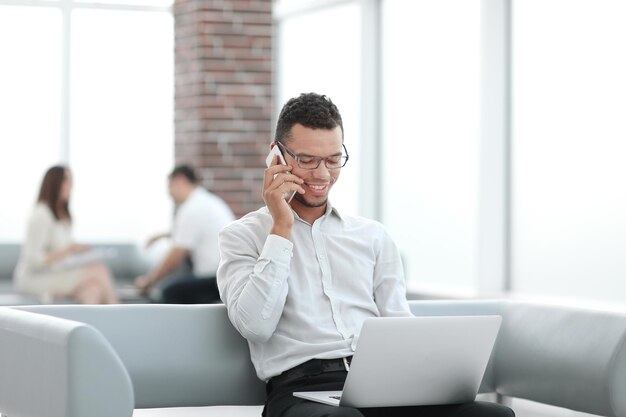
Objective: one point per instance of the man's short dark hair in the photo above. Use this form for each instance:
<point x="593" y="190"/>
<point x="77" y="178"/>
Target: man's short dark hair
<point x="185" y="171"/>
<point x="310" y="110"/>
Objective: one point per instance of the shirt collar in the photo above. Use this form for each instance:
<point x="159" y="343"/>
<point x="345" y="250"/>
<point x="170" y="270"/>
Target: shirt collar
<point x="191" y="195"/>
<point x="329" y="210"/>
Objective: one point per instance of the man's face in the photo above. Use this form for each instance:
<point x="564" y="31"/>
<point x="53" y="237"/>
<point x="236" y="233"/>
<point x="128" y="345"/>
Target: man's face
<point x="307" y="143"/>
<point x="174" y="188"/>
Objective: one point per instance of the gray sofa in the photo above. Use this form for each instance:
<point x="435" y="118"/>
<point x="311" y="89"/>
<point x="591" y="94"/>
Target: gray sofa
<point x="175" y="361"/>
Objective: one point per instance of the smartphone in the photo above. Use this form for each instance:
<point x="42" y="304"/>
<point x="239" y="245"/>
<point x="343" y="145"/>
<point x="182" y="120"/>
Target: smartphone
<point x="275" y="151"/>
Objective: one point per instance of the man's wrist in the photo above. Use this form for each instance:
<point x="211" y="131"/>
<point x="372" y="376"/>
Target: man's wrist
<point x="282" y="231"/>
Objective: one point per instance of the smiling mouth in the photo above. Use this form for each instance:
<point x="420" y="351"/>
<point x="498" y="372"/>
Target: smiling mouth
<point x="318" y="187"/>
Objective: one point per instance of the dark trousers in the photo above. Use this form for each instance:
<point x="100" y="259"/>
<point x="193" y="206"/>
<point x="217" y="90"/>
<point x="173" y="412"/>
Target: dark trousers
<point x="191" y="290"/>
<point x="281" y="403"/>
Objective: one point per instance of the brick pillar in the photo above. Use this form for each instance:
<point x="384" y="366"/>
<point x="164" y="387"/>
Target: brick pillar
<point x="223" y="90"/>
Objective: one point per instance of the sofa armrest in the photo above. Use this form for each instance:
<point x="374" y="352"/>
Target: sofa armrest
<point x="564" y="356"/>
<point x="54" y="367"/>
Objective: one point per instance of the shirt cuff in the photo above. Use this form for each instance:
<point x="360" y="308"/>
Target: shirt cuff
<point x="277" y="249"/>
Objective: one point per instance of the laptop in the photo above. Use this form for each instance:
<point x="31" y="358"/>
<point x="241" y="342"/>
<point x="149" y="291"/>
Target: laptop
<point x="410" y="361"/>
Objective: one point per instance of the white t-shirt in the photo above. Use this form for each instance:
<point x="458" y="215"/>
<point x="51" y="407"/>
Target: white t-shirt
<point x="197" y="223"/>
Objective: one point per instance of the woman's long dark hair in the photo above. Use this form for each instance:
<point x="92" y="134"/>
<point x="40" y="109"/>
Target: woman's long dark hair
<point x="50" y="191"/>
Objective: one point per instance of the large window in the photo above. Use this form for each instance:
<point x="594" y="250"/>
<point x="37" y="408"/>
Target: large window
<point x="30" y="108"/>
<point x="569" y="198"/>
<point x="430" y="115"/>
<point x="498" y="137"/>
<point x="88" y="84"/>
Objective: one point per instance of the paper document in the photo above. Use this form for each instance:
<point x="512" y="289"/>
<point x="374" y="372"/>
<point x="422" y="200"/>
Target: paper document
<point x="87" y="257"/>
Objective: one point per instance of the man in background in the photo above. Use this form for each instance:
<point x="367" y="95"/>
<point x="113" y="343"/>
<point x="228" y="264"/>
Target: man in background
<point x="186" y="275"/>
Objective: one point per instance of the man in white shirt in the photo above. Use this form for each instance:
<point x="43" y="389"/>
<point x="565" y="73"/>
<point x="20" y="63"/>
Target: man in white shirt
<point x="300" y="278"/>
<point x="199" y="217"/>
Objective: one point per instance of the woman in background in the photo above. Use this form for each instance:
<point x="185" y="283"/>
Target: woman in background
<point x="41" y="270"/>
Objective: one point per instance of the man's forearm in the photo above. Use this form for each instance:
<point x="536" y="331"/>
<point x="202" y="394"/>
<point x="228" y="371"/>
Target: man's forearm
<point x="174" y="257"/>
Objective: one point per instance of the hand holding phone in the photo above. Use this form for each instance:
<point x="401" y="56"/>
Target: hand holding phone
<point x="275" y="152"/>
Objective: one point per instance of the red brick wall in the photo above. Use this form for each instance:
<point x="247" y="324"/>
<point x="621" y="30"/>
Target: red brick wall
<point x="223" y="91"/>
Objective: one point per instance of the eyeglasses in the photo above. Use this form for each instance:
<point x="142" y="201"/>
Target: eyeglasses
<point x="313" y="162"/>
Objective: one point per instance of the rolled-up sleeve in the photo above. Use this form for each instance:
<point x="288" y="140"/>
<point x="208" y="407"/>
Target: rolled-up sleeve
<point x="253" y="285"/>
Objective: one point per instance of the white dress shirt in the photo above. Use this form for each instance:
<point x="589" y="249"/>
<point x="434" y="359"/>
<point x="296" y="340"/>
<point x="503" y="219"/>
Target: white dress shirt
<point x="197" y="224"/>
<point x="305" y="298"/>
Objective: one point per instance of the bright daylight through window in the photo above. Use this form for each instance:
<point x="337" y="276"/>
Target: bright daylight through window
<point x="74" y="91"/>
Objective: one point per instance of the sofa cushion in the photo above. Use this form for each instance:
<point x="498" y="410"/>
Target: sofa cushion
<point x="217" y="411"/>
<point x="165" y="347"/>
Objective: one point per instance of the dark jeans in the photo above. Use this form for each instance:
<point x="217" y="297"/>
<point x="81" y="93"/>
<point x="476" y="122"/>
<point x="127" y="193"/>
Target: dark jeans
<point x="281" y="403"/>
<point x="190" y="290"/>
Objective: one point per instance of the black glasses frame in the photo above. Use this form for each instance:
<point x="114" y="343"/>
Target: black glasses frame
<point x="344" y="158"/>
